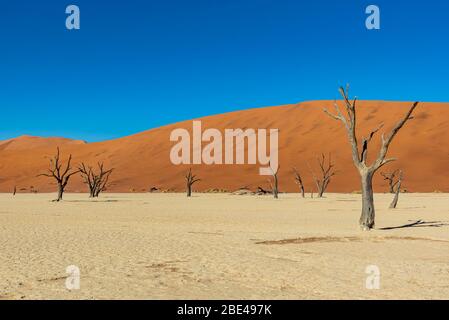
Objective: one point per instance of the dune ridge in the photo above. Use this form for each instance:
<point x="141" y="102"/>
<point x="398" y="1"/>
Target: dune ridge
<point x="141" y="161"/>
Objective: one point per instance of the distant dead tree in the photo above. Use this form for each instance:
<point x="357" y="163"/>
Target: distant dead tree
<point x="299" y="182"/>
<point x="390" y="177"/>
<point x="61" y="176"/>
<point x="327" y="172"/>
<point x="14" y="191"/>
<point x="394" y="203"/>
<point x="96" y="181"/>
<point x="261" y="191"/>
<point x="190" y="180"/>
<point x="360" y="157"/>
<point x="275" y="184"/>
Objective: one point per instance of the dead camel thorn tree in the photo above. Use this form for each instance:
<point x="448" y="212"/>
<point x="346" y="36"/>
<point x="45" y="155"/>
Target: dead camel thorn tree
<point x="299" y="182"/>
<point x="96" y="181"/>
<point x="275" y="184"/>
<point x="61" y="176"/>
<point x="360" y="157"/>
<point x="327" y="172"/>
<point x="190" y="180"/>
<point x="390" y="177"/>
<point x="394" y="203"/>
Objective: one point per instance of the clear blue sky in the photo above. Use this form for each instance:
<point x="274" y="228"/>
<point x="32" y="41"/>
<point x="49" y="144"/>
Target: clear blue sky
<point x="136" y="65"/>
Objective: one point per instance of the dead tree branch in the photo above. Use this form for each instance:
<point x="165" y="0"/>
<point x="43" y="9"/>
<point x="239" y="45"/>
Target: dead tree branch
<point x="327" y="172"/>
<point x="190" y="180"/>
<point x="275" y="184"/>
<point x="394" y="203"/>
<point x="366" y="171"/>
<point x="56" y="172"/>
<point x="299" y="182"/>
<point x="96" y="181"/>
<point x="390" y="177"/>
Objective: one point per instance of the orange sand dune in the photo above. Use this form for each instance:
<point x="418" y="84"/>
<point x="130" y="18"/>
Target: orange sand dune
<point x="142" y="161"/>
<point x="29" y="142"/>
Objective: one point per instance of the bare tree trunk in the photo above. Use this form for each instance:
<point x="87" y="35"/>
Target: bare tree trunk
<point x="189" y="190"/>
<point x="298" y="180"/>
<point x="15" y="191"/>
<point x="327" y="172"/>
<point x="391" y="189"/>
<point x="394" y="203"/>
<point x="96" y="181"/>
<point x="359" y="157"/>
<point x="320" y="191"/>
<point x="275" y="187"/>
<point x="190" y="180"/>
<point x="61" y="176"/>
<point x="368" y="214"/>
<point x="390" y="178"/>
<point x="60" y="192"/>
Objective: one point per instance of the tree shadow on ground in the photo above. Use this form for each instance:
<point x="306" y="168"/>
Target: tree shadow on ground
<point x="93" y="201"/>
<point x="419" y="224"/>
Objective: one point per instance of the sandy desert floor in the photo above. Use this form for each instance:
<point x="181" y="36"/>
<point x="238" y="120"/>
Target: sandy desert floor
<point x="221" y="246"/>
